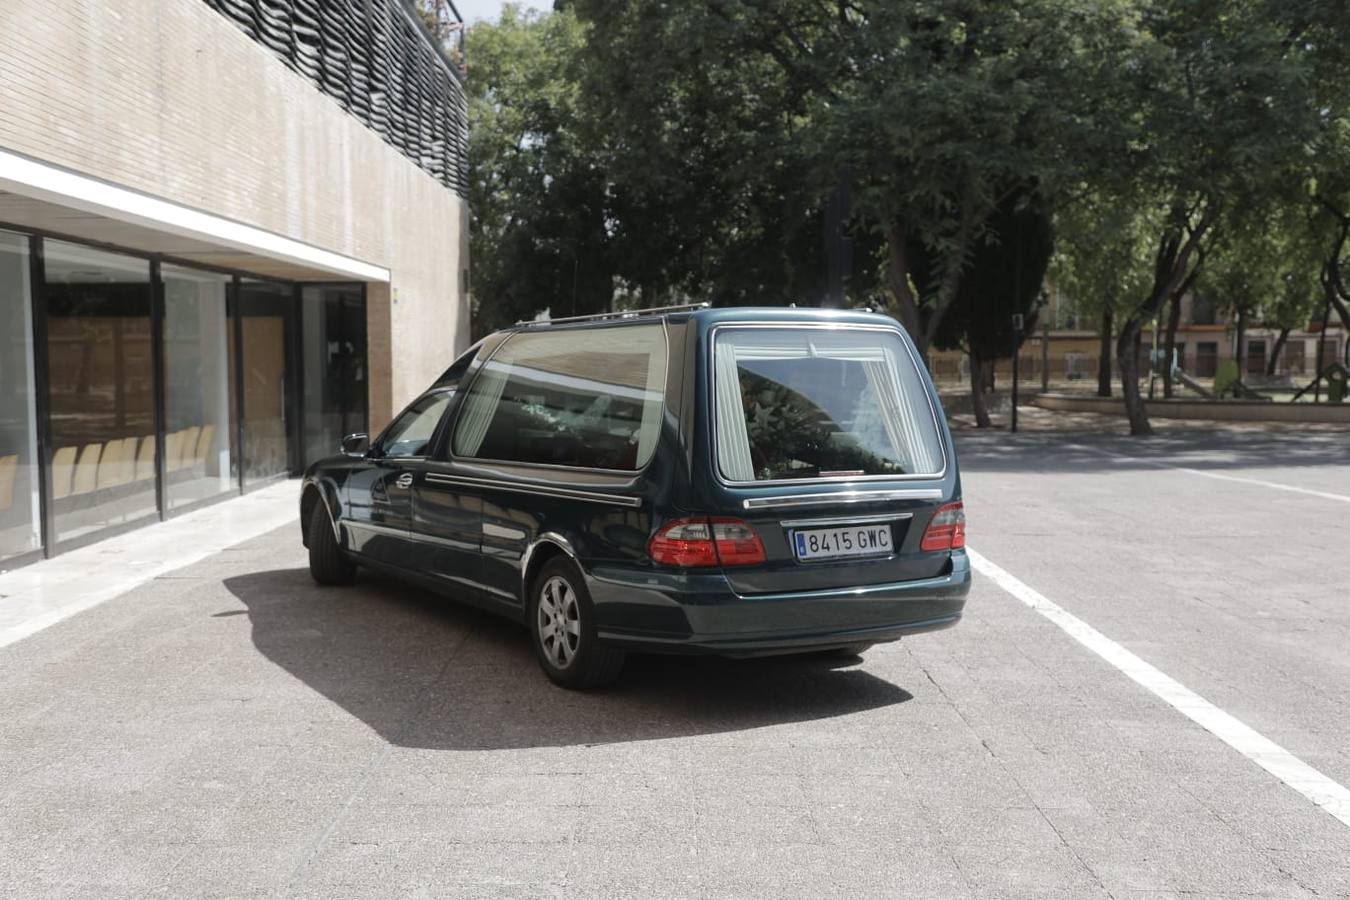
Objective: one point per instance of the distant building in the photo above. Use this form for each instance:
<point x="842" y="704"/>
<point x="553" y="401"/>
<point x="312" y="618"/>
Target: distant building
<point x="1072" y="345"/>
<point x="230" y="232"/>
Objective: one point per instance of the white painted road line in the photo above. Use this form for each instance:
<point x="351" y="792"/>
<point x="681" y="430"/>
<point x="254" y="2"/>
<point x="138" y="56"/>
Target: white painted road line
<point x="1270" y="484"/>
<point x="1270" y="756"/>
<point x="1203" y="473"/>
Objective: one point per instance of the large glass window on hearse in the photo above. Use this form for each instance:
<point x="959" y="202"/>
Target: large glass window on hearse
<point x="587" y="398"/>
<point x="801" y="403"/>
<point x="411" y="433"/>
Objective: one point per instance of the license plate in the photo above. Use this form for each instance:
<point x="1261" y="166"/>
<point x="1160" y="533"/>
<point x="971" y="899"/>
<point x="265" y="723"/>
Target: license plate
<point x="840" y="543"/>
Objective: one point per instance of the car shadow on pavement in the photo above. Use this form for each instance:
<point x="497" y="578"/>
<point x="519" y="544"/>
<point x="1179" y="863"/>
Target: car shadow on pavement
<point x="425" y="672"/>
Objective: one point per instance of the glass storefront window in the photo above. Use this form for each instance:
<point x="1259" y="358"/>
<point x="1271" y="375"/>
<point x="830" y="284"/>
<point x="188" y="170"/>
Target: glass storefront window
<point x="20" y="510"/>
<point x="199" y="461"/>
<point x="266" y="310"/>
<point x="334" y="329"/>
<point x="100" y="385"/>
<point x="225" y="407"/>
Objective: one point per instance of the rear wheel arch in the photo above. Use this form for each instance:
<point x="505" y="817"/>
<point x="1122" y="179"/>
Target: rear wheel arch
<point x="545" y="548"/>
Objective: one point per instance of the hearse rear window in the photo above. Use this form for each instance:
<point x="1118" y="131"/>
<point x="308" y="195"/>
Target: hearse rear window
<point x="799" y="403"/>
<point x="588" y="398"/>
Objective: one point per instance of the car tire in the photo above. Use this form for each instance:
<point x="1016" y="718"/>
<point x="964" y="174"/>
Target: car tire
<point x="328" y="565"/>
<point x="562" y="630"/>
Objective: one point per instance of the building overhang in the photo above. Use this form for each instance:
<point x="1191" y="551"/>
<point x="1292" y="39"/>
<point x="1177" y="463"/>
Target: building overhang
<point x="51" y="199"/>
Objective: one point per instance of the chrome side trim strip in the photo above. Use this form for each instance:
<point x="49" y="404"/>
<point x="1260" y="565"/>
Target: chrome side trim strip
<point x="845" y="497"/>
<point x="416" y="536"/>
<point x="847" y="520"/>
<point x="537" y="490"/>
<point x="378" y="529"/>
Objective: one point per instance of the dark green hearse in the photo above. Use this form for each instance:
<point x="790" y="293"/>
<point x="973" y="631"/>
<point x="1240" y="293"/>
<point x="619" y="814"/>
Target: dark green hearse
<point x="732" y="481"/>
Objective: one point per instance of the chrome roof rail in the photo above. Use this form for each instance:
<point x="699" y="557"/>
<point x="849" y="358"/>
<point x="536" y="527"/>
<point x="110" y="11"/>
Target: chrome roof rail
<point x="616" y="314"/>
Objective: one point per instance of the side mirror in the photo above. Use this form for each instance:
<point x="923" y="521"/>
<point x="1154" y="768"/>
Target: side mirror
<point x="356" y="444"/>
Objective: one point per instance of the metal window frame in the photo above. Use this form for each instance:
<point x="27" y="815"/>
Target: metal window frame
<point x="51" y="544"/>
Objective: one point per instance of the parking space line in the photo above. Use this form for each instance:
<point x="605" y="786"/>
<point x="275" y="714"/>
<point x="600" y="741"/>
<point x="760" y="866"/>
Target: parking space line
<point x="1275" y="485"/>
<point x="1291" y="770"/>
<point x="1270" y="484"/>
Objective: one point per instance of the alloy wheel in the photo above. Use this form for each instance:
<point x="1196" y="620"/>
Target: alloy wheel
<point x="558" y="621"/>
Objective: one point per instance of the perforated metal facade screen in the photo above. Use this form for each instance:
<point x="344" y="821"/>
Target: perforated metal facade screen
<point x="379" y="64"/>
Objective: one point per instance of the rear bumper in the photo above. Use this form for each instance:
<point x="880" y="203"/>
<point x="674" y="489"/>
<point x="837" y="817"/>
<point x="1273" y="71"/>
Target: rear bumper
<point x="702" y="614"/>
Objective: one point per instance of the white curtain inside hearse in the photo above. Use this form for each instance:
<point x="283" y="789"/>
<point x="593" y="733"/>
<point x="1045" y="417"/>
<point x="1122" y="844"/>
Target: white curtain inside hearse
<point x="891" y="415"/>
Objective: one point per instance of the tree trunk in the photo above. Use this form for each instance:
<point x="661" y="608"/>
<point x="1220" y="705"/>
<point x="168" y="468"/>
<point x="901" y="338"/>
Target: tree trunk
<point x="979" y="400"/>
<point x="1333" y="281"/>
<point x="1334" y="286"/>
<point x="1240" y="338"/>
<point x="1272" y="363"/>
<point x="1127" y="349"/>
<point x="1173" y="320"/>
<point x="906" y="304"/>
<point x="1173" y="271"/>
<point x="1104" y="357"/>
<point x="951" y="281"/>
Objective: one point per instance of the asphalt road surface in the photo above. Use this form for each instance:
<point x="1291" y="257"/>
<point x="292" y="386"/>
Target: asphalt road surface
<point x="230" y="730"/>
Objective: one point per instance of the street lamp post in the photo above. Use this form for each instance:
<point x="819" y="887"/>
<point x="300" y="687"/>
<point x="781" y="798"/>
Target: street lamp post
<point x="1017" y="342"/>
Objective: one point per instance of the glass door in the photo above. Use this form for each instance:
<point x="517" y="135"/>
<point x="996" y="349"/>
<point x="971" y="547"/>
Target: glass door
<point x="264" y="327"/>
<point x="100" y="388"/>
<point x="334" y="358"/>
<point x="20" y="504"/>
<point x="200" y="457"/>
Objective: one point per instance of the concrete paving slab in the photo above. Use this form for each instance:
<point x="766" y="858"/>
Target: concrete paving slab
<point x="230" y="730"/>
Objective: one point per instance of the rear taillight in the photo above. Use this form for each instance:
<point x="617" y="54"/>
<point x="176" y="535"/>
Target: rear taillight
<point x="947" y="530"/>
<point x="703" y="542"/>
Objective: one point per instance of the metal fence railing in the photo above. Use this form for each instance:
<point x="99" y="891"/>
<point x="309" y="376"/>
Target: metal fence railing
<point x="376" y="59"/>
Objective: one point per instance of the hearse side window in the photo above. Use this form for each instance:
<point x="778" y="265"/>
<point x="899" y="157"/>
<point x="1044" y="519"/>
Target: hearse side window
<point x="794" y="403"/>
<point x="411" y="433"/>
<point x="590" y="398"/>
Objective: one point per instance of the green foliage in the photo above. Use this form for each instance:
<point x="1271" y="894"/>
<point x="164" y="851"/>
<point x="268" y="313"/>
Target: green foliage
<point x="932" y="111"/>
<point x="1264" y="265"/>
<point x="1102" y="253"/>
<point x="539" y="234"/>
<point x="1005" y="278"/>
<point x="635" y="152"/>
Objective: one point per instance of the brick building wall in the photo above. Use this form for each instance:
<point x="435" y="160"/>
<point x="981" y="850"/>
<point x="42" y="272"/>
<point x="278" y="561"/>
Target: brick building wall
<point x="169" y="98"/>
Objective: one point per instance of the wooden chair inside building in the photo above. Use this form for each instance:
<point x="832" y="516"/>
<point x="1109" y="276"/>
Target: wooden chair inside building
<point x="63" y="471"/>
<point x="9" y="470"/>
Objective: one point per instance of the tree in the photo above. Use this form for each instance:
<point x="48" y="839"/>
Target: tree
<point x="944" y="111"/>
<point x="1264" y="270"/>
<point x="1004" y="279"/>
<point x="1100" y="261"/>
<point x="1322" y="26"/>
<point x="1330" y="224"/>
<point x="932" y="111"/>
<point x="539" y="236"/>
<point x="1336" y="259"/>
<point x="707" y="151"/>
<point x="1227" y="121"/>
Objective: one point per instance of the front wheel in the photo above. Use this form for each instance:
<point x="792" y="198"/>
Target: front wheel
<point x="562" y="629"/>
<point x="327" y="564"/>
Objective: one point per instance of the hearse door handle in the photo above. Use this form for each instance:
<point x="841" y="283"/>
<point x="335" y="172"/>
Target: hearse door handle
<point x="405" y="480"/>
